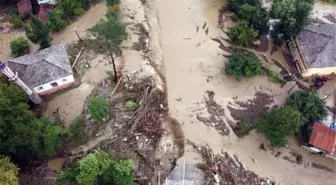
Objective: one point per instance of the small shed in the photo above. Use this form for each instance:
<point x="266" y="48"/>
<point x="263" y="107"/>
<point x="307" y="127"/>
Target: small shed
<point x="25" y="8"/>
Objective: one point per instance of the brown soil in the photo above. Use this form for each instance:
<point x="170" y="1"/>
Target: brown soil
<point x="263" y="47"/>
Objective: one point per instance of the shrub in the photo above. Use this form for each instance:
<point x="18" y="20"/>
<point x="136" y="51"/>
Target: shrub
<point x="234" y="5"/>
<point x="19" y="46"/>
<point x="16" y="20"/>
<point x="98" y="108"/>
<point x="113" y="2"/>
<point x="243" y="64"/>
<point x="278" y="124"/>
<point x="272" y="76"/>
<point x="309" y="104"/>
<point x="75" y="129"/>
<point x="8" y="172"/>
<point x="56" y="21"/>
<point x="38" y="33"/>
<point x="131" y="105"/>
<point x="242" y="34"/>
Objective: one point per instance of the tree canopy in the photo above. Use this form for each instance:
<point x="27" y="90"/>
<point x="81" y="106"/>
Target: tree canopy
<point x="56" y="20"/>
<point x="19" y="46"/>
<point x="309" y="104"/>
<point x="98" y="167"/>
<point x="109" y="32"/>
<point x="242" y="34"/>
<point x="8" y="172"/>
<point x="243" y="64"/>
<point x="22" y="135"/>
<point x="293" y="16"/>
<point x="278" y="124"/>
<point x="38" y="33"/>
<point x="256" y="17"/>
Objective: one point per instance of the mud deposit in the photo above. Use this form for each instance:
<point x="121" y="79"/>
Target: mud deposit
<point x="216" y="112"/>
<point x="251" y="109"/>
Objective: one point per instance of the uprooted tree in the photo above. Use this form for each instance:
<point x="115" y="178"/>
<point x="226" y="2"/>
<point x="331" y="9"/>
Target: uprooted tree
<point x="309" y="104"/>
<point x="278" y="124"/>
<point x="98" y="167"/>
<point x="109" y="33"/>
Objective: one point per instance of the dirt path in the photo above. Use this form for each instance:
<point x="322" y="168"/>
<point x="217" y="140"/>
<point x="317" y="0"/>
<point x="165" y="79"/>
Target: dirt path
<point x="193" y="65"/>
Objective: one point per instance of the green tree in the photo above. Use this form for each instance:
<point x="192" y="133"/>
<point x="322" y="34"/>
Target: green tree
<point x="98" y="166"/>
<point x="109" y="33"/>
<point x="256" y="17"/>
<point x="309" y="104"/>
<point x="16" y="20"/>
<point x="71" y="8"/>
<point x="8" y="172"/>
<point x="112" y="2"/>
<point x="38" y="33"/>
<point x="293" y="16"/>
<point x="22" y="135"/>
<point x="56" y="21"/>
<point x="75" y="130"/>
<point x="98" y="108"/>
<point x="278" y="124"/>
<point x="242" y="34"/>
<point x="19" y="46"/>
<point x="234" y="5"/>
<point x="243" y="64"/>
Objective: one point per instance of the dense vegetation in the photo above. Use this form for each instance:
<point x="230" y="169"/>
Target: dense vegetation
<point x="243" y="64"/>
<point x="98" y="167"/>
<point x="38" y="32"/>
<point x="22" y="135"/>
<point x="56" y="20"/>
<point x="309" y="104"/>
<point x="19" y="46"/>
<point x="278" y="124"/>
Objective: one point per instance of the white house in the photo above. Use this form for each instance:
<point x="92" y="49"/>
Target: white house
<point x="46" y="71"/>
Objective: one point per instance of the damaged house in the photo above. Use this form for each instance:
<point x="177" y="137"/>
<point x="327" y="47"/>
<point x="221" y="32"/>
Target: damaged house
<point x="46" y="71"/>
<point x="313" y="50"/>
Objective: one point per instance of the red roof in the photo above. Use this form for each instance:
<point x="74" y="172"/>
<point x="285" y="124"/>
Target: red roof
<point x="323" y="137"/>
<point x="24" y="7"/>
<point x="44" y="8"/>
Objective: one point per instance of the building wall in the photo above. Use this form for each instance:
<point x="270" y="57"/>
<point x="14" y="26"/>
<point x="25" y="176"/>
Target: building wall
<point x="53" y="86"/>
<point x="320" y="71"/>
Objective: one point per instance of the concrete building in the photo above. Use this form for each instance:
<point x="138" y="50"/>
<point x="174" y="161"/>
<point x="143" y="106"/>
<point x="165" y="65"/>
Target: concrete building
<point x="313" y="50"/>
<point x="46" y="71"/>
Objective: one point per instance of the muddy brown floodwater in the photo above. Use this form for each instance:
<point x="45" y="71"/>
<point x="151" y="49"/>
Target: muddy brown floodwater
<point x="194" y="66"/>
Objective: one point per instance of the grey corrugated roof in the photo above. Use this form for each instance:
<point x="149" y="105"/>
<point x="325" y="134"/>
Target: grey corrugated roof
<point x="42" y="67"/>
<point x="317" y="44"/>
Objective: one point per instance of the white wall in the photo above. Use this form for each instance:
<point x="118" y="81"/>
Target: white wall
<point x="60" y="82"/>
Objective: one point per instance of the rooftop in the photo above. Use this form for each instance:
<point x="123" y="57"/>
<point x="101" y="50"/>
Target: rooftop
<point x="317" y="45"/>
<point x="323" y="137"/>
<point x="42" y="67"/>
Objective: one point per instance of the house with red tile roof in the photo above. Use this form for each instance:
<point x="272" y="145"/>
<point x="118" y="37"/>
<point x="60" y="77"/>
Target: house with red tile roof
<point x="323" y="139"/>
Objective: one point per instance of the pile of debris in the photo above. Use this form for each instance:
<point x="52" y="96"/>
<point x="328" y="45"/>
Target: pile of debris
<point x="225" y="170"/>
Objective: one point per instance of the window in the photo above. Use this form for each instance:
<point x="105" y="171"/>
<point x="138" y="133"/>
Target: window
<point x="64" y="80"/>
<point x="54" y="84"/>
<point x="40" y="88"/>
